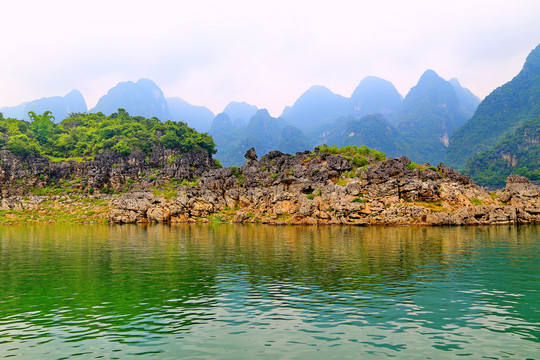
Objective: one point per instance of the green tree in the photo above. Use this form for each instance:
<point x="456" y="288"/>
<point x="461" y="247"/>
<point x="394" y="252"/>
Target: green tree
<point x="42" y="126"/>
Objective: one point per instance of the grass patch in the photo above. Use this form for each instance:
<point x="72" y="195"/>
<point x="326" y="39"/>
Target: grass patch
<point x="433" y="206"/>
<point x="476" y="201"/>
<point x="340" y="182"/>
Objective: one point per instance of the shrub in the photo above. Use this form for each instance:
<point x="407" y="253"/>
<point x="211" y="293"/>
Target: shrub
<point x="476" y="201"/>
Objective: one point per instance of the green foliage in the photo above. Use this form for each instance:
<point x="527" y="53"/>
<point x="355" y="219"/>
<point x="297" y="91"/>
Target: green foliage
<point x="517" y="153"/>
<point x="359" y="200"/>
<point x="497" y="117"/>
<point x="85" y="135"/>
<point x="173" y="158"/>
<point x="411" y="165"/>
<point x="23" y="146"/>
<point x="359" y="156"/>
<point x="42" y="126"/>
<point x="476" y="201"/>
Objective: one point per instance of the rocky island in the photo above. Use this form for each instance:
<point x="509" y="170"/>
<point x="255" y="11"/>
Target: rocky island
<point x="330" y="185"/>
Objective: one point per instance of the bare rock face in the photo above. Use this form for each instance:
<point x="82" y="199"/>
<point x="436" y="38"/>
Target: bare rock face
<point x="107" y="170"/>
<point x="516" y="179"/>
<point x="309" y="188"/>
<point x="159" y="214"/>
<point x="304" y="188"/>
<point x="251" y="154"/>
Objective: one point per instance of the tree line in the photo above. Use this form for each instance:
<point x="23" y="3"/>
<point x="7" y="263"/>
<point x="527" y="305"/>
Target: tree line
<point x="85" y="135"/>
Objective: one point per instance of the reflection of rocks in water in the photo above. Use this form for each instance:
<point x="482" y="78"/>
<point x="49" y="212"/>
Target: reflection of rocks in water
<point x="172" y="286"/>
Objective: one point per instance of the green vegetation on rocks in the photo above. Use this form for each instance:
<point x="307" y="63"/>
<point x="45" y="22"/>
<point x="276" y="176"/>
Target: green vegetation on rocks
<point x="517" y="153"/>
<point x="499" y="114"/>
<point x="85" y="135"/>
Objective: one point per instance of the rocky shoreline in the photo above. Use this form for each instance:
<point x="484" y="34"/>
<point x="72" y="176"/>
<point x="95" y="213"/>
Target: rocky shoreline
<point x="310" y="188"/>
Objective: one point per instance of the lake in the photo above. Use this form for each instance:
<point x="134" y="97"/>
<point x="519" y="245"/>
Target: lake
<point x="205" y="291"/>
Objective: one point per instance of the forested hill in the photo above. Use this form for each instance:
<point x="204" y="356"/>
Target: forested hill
<point x="86" y="135"/>
<point x="518" y="153"/>
<point x="499" y="114"/>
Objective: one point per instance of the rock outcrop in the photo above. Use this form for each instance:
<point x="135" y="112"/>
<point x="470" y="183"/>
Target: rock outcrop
<point x="19" y="176"/>
<point x="305" y="188"/>
<point x="320" y="188"/>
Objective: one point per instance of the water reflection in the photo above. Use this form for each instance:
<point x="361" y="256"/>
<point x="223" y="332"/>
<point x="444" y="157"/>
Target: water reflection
<point x="238" y="291"/>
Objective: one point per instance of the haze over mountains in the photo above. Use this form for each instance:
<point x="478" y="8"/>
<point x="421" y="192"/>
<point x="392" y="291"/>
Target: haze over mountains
<point x="430" y="124"/>
<point x="418" y="125"/>
<point x="60" y="106"/>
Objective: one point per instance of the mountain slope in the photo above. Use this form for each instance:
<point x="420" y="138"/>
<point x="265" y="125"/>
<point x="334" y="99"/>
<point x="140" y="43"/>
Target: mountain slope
<point x="198" y="117"/>
<point x="468" y="102"/>
<point x="428" y="115"/>
<point x="518" y="153"/>
<point x="143" y="98"/>
<point x="263" y="132"/>
<point x="374" y="131"/>
<point x="240" y="112"/>
<point x="499" y="114"/>
<point x="60" y="106"/>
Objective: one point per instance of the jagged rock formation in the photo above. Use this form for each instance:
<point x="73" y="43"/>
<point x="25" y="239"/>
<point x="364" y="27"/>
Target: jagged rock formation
<point x="305" y="188"/>
<point x="309" y="188"/>
<point x="19" y="176"/>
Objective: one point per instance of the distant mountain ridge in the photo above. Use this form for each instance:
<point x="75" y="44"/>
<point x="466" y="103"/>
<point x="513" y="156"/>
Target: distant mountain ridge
<point x="428" y="116"/>
<point x="375" y="115"/>
<point x="141" y="98"/>
<point x="198" y="117"/>
<point x="316" y="105"/>
<point x="59" y="106"/>
<point x="263" y="132"/>
<point x="319" y="105"/>
<point x="145" y="98"/>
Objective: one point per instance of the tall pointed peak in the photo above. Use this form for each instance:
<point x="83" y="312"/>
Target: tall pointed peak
<point x="429" y="76"/>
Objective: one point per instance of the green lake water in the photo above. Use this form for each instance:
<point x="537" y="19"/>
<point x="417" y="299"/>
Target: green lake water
<point x="254" y="291"/>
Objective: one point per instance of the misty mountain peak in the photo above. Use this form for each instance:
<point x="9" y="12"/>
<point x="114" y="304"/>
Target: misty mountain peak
<point x="60" y="106"/>
<point x="262" y="113"/>
<point x="318" y="90"/>
<point x="240" y="112"/>
<point x="375" y="95"/>
<point x="316" y="105"/>
<point x="143" y="98"/>
<point x="430" y="78"/>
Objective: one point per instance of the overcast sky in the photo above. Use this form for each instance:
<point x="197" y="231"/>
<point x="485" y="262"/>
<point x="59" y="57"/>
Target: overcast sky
<point x="210" y="52"/>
